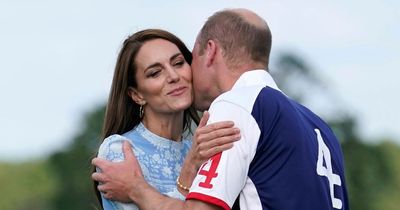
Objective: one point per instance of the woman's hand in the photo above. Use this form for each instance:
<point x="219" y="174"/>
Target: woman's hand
<point x="208" y="140"/>
<point x="212" y="139"/>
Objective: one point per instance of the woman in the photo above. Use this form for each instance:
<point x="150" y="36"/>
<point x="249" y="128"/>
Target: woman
<point x="150" y="106"/>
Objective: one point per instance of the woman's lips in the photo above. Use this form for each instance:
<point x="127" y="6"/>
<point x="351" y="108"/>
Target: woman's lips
<point x="177" y="91"/>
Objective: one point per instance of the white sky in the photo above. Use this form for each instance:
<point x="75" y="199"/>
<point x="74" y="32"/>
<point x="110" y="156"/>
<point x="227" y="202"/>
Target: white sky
<point x="57" y="58"/>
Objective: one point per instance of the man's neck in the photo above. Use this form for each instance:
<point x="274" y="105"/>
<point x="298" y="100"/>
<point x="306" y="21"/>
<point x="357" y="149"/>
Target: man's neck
<point x="231" y="76"/>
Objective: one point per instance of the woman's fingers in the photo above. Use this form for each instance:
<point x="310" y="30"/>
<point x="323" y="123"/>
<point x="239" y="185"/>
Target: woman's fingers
<point x="207" y="145"/>
<point x="215" y="150"/>
<point x="214" y="126"/>
<point x="205" y="137"/>
<point x="209" y="148"/>
<point x="213" y="138"/>
<point x="204" y="119"/>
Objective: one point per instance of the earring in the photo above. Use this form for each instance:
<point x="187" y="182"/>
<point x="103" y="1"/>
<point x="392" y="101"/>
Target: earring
<point x="141" y="111"/>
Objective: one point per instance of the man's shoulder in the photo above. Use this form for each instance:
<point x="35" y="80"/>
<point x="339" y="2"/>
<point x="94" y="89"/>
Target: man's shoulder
<point x="243" y="97"/>
<point x="247" y="97"/>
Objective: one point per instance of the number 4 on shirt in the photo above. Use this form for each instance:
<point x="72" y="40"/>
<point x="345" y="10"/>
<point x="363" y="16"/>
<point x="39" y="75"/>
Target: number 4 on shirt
<point x="211" y="173"/>
<point x="324" y="155"/>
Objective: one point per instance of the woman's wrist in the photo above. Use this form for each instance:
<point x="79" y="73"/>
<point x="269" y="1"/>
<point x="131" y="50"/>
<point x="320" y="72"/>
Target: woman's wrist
<point x="188" y="172"/>
<point x="181" y="185"/>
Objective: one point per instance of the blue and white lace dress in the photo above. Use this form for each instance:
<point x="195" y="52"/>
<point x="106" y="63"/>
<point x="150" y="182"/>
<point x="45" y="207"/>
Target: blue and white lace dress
<point x="160" y="160"/>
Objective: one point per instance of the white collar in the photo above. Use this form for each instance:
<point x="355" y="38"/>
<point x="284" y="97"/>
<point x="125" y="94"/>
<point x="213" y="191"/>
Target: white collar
<point x="255" y="77"/>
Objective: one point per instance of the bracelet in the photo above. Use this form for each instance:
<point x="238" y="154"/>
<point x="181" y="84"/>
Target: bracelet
<point x="181" y="185"/>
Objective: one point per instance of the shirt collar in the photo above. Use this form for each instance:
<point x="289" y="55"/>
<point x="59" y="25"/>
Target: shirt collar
<point x="255" y="77"/>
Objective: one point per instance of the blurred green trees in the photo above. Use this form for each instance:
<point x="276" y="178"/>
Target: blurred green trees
<point x="72" y="167"/>
<point x="26" y="186"/>
<point x="63" y="181"/>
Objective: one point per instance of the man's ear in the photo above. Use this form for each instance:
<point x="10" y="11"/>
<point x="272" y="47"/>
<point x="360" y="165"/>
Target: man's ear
<point x="135" y="95"/>
<point x="211" y="51"/>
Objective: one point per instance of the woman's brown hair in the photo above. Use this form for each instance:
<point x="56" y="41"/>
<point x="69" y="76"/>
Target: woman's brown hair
<point x="122" y="113"/>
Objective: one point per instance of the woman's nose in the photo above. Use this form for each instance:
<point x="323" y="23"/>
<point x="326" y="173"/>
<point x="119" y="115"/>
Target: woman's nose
<point x="173" y="76"/>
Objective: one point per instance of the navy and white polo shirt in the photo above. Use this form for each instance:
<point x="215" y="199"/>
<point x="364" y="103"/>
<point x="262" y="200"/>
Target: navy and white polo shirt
<point x="288" y="158"/>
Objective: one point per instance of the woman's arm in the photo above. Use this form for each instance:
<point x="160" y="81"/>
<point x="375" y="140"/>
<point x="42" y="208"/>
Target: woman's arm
<point x="208" y="140"/>
<point x="124" y="180"/>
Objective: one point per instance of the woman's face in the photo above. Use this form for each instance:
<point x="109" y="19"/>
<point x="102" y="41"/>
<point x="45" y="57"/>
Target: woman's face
<point x="164" y="78"/>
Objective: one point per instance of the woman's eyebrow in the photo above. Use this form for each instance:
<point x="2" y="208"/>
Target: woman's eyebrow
<point x="159" y="64"/>
<point x="153" y="65"/>
<point x="174" y="56"/>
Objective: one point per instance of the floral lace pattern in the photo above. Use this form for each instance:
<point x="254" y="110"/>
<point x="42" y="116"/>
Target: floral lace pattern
<point x="160" y="160"/>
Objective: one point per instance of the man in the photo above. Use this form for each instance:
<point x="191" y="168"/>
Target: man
<point x="288" y="158"/>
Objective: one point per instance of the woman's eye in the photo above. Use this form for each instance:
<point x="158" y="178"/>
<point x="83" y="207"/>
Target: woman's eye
<point x="154" y="73"/>
<point x="179" y="63"/>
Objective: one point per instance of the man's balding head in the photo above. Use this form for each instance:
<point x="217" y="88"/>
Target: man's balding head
<point x="251" y="17"/>
<point x="244" y="37"/>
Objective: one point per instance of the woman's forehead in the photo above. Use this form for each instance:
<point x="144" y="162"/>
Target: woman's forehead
<point x="157" y="50"/>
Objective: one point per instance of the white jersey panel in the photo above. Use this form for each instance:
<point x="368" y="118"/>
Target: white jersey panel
<point x="249" y="198"/>
<point x="222" y="178"/>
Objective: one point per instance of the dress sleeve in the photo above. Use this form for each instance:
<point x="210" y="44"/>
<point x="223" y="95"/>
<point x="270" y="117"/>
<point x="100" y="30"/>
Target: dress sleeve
<point x="220" y="180"/>
<point x="111" y="149"/>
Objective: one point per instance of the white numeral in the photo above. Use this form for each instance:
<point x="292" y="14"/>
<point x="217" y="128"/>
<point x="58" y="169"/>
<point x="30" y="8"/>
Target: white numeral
<point x="334" y="179"/>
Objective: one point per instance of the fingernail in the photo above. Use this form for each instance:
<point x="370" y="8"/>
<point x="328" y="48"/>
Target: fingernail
<point x="238" y="136"/>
